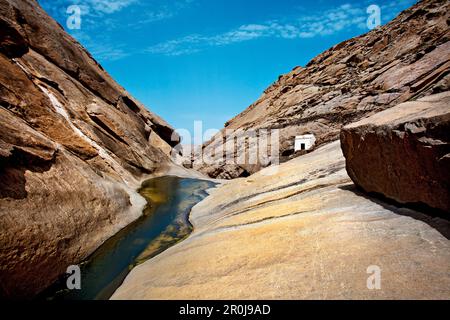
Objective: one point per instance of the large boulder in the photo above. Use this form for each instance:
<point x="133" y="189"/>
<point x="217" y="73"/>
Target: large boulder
<point x="403" y="153"/>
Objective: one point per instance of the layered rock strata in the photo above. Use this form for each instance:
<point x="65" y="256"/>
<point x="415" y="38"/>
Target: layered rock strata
<point x="404" y="60"/>
<point x="74" y="147"/>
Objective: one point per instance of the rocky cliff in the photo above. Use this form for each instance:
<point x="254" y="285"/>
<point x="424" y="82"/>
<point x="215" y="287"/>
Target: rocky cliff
<point x="74" y="146"/>
<point x="401" y="61"/>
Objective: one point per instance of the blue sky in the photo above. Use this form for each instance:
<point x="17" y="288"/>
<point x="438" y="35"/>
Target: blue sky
<point x="208" y="60"/>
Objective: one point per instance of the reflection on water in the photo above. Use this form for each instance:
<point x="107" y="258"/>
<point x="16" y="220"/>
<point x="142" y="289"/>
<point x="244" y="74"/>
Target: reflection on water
<point x="164" y="223"/>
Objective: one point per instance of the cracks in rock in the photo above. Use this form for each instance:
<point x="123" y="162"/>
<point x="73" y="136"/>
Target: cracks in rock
<point x="74" y="75"/>
<point x="97" y="120"/>
<point x="243" y="199"/>
<point x="52" y="84"/>
<point x="130" y="104"/>
<point x="315" y="174"/>
<point x="259" y="221"/>
<point x="12" y="42"/>
<point x="265" y="203"/>
<point x="293" y="194"/>
<point x="13" y="168"/>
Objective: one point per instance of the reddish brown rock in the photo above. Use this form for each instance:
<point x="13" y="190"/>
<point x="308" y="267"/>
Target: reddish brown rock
<point x="74" y="146"/>
<point x="404" y="60"/>
<point x="403" y="153"/>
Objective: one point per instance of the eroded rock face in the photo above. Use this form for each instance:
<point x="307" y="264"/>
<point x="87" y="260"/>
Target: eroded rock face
<point x="299" y="231"/>
<point x="403" y="153"/>
<point x="405" y="60"/>
<point x="74" y="146"/>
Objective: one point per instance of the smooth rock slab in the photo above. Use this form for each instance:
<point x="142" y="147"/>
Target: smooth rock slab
<point x="300" y="231"/>
<point x="403" y="153"/>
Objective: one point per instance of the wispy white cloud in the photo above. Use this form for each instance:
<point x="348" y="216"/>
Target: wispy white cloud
<point x="101" y="12"/>
<point x="108" y="6"/>
<point x="162" y="12"/>
<point x="101" y="47"/>
<point x="108" y="52"/>
<point x="91" y="8"/>
<point x="101" y="15"/>
<point x="320" y="24"/>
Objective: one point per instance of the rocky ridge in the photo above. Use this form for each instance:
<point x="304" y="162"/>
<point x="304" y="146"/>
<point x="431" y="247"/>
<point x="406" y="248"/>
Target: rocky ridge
<point x="404" y="60"/>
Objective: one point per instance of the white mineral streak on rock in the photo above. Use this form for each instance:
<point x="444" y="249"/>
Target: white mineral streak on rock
<point x="59" y="108"/>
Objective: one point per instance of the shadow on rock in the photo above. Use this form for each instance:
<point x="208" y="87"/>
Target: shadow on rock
<point x="436" y="219"/>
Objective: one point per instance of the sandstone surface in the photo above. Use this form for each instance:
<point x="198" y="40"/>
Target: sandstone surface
<point x="301" y="230"/>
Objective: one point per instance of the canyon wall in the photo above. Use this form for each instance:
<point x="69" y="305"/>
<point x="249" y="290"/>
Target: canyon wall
<point x="74" y="147"/>
<point x="404" y="60"/>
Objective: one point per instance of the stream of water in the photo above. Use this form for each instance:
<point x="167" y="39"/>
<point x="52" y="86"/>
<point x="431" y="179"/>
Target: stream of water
<point x="164" y="223"/>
